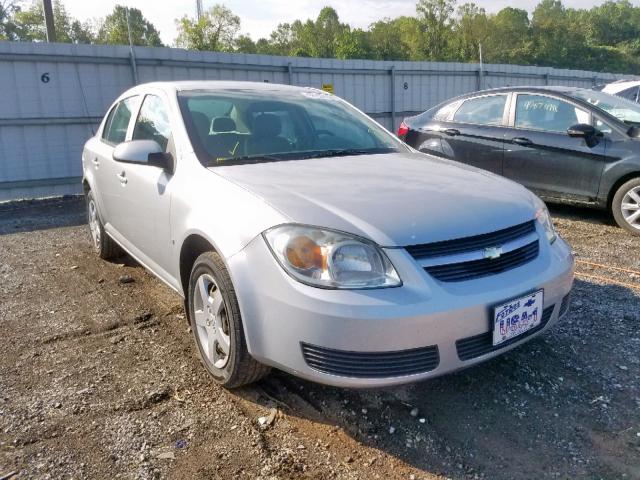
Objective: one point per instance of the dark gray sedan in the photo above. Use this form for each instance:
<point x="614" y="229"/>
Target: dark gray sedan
<point x="567" y="144"/>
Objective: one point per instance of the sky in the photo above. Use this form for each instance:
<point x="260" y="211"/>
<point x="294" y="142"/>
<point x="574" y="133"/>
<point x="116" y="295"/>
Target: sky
<point x="260" y="17"/>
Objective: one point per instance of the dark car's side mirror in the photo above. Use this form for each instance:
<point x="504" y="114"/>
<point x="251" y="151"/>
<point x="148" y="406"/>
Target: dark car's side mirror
<point x="145" y="152"/>
<point x="588" y="132"/>
<point x="582" y="130"/>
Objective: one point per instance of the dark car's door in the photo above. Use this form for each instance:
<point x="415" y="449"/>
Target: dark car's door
<point x="541" y="155"/>
<point x="475" y="135"/>
<point x="469" y="131"/>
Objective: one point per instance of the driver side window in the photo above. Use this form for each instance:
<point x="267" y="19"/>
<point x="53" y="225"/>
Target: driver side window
<point x="539" y="112"/>
<point x="153" y="122"/>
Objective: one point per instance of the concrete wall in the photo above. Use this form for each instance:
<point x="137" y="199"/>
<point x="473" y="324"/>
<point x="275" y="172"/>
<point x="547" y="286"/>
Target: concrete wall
<point x="52" y="96"/>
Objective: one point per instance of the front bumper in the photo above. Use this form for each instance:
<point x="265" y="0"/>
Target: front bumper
<point x="281" y="315"/>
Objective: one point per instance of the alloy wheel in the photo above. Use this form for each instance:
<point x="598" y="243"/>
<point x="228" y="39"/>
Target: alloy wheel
<point x="94" y="224"/>
<point x="211" y="321"/>
<point x="631" y="207"/>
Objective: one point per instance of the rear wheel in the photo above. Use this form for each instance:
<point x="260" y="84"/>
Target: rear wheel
<point x="216" y="324"/>
<point x="625" y="206"/>
<point x="102" y="243"/>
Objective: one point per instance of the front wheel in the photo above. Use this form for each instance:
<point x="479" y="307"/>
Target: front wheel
<point x="216" y="324"/>
<point x="625" y="206"/>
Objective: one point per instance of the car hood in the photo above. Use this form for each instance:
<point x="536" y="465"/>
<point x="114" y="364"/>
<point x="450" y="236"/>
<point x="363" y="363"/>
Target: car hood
<point x="393" y="199"/>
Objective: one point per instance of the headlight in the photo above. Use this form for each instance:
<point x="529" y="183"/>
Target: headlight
<point x="329" y="259"/>
<point x="542" y="215"/>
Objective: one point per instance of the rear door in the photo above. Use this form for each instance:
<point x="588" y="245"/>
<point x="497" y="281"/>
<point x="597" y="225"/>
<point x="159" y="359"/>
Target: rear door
<point x="101" y="159"/>
<point x="474" y="134"/>
<point x="541" y="155"/>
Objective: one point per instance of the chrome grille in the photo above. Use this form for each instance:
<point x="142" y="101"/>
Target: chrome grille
<point x="471" y="257"/>
<point x="468" y="244"/>
<point x="457" y="272"/>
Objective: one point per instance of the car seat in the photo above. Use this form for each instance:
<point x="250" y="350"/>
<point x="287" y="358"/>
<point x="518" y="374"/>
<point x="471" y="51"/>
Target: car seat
<point x="265" y="138"/>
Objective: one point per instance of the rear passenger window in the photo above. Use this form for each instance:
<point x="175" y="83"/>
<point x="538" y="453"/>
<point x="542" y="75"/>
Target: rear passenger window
<point x="482" y="110"/>
<point x="445" y="112"/>
<point x="115" y="129"/>
<point x="153" y="122"/>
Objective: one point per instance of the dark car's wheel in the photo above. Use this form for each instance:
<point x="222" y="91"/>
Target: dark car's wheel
<point x="216" y="323"/>
<point x="626" y="206"/>
<point x="102" y="243"/>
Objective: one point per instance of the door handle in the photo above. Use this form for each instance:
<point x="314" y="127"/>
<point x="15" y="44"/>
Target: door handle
<point x="96" y="162"/>
<point x="122" y="177"/>
<point x="452" y="132"/>
<point x="525" y="142"/>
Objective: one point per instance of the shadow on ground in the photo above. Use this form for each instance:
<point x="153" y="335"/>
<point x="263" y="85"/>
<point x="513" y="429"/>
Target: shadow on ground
<point x="32" y="215"/>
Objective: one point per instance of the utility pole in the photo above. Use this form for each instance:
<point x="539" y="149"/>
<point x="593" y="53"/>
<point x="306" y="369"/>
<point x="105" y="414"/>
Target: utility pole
<point x="198" y="9"/>
<point x="481" y="67"/>
<point x="48" y="20"/>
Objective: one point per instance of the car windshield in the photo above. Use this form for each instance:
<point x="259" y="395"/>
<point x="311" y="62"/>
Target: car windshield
<point x="624" y="110"/>
<point x="238" y="126"/>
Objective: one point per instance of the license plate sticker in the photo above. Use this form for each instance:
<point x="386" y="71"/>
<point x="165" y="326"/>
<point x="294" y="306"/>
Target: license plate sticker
<point x="517" y="316"/>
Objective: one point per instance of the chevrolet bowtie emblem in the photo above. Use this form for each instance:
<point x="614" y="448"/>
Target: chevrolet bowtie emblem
<point x="492" y="252"/>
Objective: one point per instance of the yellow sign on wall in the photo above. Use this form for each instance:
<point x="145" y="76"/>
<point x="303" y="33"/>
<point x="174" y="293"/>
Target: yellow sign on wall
<point x="327" y="87"/>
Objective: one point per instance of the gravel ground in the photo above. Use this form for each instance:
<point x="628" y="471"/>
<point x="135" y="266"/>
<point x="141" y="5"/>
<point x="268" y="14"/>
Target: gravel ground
<point x="99" y="379"/>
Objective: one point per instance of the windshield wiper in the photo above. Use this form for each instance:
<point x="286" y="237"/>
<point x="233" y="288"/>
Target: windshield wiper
<point x="345" y="152"/>
<point x="245" y="160"/>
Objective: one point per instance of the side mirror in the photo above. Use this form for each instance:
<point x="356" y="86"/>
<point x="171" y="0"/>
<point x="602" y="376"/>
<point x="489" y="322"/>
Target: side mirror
<point x="136" y="151"/>
<point x="582" y="130"/>
<point x="145" y="152"/>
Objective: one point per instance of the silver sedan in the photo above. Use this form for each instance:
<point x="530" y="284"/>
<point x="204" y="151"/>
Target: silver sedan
<point x="304" y="236"/>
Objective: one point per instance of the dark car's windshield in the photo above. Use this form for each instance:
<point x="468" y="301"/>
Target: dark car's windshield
<point x="624" y="110"/>
<point x="244" y="126"/>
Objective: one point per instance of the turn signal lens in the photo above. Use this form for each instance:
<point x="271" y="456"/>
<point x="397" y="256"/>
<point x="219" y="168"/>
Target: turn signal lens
<point x="303" y="253"/>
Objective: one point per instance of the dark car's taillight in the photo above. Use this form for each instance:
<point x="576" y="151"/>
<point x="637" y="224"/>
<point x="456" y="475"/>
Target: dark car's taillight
<point x="403" y="129"/>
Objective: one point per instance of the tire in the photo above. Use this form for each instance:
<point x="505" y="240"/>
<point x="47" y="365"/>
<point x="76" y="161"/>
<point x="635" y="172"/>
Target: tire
<point x="628" y="195"/>
<point x="102" y="243"/>
<point x="214" y="316"/>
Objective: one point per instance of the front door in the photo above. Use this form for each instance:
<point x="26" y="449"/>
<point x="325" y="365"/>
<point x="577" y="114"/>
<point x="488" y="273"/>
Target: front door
<point x="540" y="154"/>
<point x="144" y="204"/>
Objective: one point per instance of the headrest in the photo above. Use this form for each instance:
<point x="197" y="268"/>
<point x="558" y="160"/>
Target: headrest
<point x="267" y="125"/>
<point x="223" y="124"/>
<point x="201" y="122"/>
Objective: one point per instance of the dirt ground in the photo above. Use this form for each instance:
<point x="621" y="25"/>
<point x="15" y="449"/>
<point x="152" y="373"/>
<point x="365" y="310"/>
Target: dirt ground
<point x="100" y="379"/>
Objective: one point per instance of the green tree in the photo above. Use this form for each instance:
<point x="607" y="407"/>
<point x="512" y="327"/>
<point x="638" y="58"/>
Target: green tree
<point x="114" y="29"/>
<point x="216" y="30"/>
<point x="245" y="44"/>
<point x="613" y="23"/>
<point x="470" y="31"/>
<point x="353" y="44"/>
<point x="557" y="41"/>
<point x="436" y="15"/>
<point x="386" y="41"/>
<point x="30" y="26"/>
<point x="510" y="38"/>
<point x="8" y="28"/>
<point x="412" y="37"/>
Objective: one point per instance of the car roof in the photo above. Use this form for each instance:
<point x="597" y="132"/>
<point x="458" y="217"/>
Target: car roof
<point x="617" y="87"/>
<point x="532" y="88"/>
<point x="187" y="85"/>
